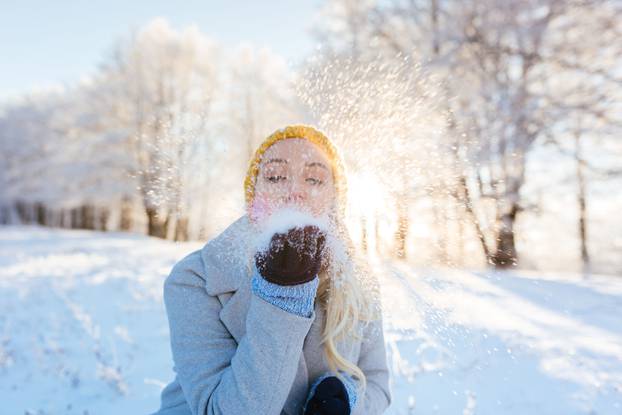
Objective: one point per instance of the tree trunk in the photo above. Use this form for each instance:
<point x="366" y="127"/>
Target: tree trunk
<point x="125" y="223"/>
<point x="459" y="215"/>
<point x="4" y="215"/>
<point x="39" y="208"/>
<point x="505" y="255"/>
<point x="181" y="229"/>
<point x="22" y="212"/>
<point x="64" y="222"/>
<point x="468" y="205"/>
<point x="156" y="226"/>
<point x="581" y="199"/>
<point x="202" y="232"/>
<point x="402" y="228"/>
<point x="78" y="217"/>
<point x="102" y="219"/>
<point x="88" y="216"/>
<point x="76" y="221"/>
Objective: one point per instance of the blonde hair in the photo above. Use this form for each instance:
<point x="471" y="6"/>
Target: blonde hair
<point x="346" y="293"/>
<point x="346" y="290"/>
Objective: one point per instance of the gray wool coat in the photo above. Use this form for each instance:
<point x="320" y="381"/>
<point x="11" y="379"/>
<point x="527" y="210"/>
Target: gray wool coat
<point x="235" y="353"/>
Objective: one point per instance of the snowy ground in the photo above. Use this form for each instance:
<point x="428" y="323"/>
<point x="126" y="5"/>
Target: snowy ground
<point x="83" y="330"/>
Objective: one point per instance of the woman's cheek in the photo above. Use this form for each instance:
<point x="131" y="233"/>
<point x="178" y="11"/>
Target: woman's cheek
<point x="260" y="208"/>
<point x="319" y="201"/>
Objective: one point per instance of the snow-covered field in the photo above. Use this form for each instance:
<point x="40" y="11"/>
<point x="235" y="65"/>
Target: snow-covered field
<point x="83" y="330"/>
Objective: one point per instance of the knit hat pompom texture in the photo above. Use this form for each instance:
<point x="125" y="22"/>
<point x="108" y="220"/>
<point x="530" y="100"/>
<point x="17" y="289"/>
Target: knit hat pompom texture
<point x="311" y="134"/>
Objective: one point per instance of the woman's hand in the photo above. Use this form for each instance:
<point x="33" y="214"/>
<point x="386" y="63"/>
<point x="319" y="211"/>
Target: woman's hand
<point x="293" y="257"/>
<point x="330" y="396"/>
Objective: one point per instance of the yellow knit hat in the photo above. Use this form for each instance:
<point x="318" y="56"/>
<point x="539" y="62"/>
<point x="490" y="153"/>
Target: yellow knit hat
<point x="316" y="137"/>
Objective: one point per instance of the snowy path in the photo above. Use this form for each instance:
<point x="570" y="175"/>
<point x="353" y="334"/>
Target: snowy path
<point x="83" y="328"/>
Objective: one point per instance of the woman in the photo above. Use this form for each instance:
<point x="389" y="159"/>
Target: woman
<point x="288" y="327"/>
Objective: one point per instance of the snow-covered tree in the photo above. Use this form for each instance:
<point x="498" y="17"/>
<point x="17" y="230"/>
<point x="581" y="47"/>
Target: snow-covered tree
<point x="156" y="92"/>
<point x="496" y="60"/>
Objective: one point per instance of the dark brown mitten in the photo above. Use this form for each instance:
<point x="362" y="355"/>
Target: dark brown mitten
<point x="293" y="257"/>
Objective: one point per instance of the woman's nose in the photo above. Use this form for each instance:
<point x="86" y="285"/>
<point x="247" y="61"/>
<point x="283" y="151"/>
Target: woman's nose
<point x="296" y="197"/>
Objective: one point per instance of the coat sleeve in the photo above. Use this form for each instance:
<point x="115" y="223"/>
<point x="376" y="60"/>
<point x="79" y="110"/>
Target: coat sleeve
<point x="373" y="362"/>
<point x="217" y="375"/>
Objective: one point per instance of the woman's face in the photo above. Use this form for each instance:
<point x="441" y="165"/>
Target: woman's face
<point x="293" y="172"/>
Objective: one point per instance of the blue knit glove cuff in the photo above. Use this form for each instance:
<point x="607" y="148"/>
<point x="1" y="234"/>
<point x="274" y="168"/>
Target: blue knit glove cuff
<point x="350" y="385"/>
<point x="298" y="299"/>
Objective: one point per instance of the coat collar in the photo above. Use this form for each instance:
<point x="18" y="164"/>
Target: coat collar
<point x="225" y="257"/>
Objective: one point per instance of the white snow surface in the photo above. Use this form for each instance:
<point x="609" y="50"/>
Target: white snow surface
<point x="83" y="330"/>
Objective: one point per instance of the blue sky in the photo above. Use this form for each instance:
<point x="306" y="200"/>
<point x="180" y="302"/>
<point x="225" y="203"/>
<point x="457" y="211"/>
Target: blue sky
<point x="44" y="43"/>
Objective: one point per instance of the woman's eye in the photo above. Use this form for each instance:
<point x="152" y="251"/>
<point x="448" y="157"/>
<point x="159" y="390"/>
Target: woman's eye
<point x="275" y="179"/>
<point x="315" y="181"/>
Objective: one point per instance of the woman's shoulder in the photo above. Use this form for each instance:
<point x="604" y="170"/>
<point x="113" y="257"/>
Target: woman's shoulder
<point x="220" y="265"/>
<point x="188" y="270"/>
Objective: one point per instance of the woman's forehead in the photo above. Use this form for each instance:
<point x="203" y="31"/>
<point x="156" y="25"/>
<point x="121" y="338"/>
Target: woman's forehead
<point x="294" y="149"/>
